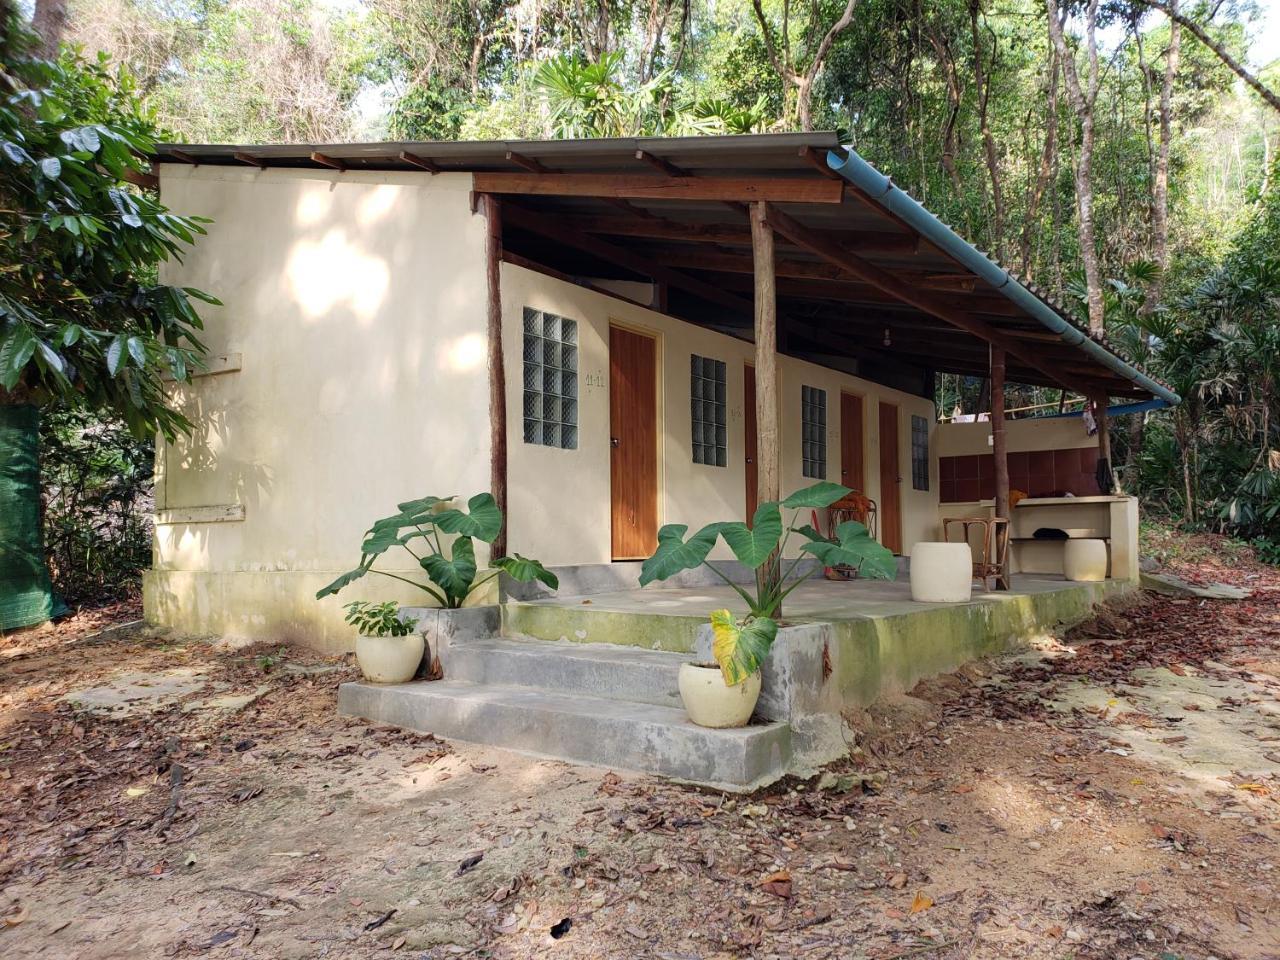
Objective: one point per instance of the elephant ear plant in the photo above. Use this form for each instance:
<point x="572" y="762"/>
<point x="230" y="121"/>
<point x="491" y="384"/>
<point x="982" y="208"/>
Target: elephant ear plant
<point x="741" y="646"/>
<point x="418" y="527"/>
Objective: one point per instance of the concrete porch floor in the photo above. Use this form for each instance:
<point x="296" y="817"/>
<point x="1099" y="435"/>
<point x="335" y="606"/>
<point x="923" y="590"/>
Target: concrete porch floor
<point x="815" y="600"/>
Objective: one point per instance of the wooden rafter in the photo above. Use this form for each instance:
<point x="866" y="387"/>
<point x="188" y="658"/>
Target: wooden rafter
<point x="251" y="160"/>
<point x="926" y="301"/>
<point x="722" y="262"/>
<point x="547" y="227"/>
<point x="659" y="228"/>
<point x="641" y="187"/>
<point x="327" y="161"/>
<point x="530" y="164"/>
<point x="422" y="163"/>
<point x="662" y="166"/>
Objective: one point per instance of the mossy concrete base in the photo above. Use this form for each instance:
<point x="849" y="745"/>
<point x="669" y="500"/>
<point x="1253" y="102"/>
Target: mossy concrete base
<point x="843" y="645"/>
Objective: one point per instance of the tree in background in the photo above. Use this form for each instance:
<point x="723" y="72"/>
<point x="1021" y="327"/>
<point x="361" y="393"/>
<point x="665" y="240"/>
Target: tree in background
<point x="83" y="321"/>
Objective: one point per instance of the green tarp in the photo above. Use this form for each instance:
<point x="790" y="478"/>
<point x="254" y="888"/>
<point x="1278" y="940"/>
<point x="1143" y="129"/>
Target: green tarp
<point x="26" y="596"/>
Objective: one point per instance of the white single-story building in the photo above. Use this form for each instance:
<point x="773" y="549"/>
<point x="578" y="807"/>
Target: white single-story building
<point x="356" y="356"/>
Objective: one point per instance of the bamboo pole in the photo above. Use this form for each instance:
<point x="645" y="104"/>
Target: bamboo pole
<point x="1100" y="404"/>
<point x="1000" y="450"/>
<point x="497" y="369"/>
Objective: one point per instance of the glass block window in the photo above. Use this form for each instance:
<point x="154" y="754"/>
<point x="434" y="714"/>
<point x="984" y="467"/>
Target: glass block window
<point x="707" y="403"/>
<point x="550" y="380"/>
<point x="813" y="432"/>
<point x="919" y="453"/>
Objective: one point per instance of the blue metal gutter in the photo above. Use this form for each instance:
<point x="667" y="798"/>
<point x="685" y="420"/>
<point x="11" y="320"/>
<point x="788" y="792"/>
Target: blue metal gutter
<point x="1118" y="410"/>
<point x="881" y="189"/>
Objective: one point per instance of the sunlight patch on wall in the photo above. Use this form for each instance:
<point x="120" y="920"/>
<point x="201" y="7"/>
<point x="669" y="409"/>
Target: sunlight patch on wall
<point x="463" y="354"/>
<point x="332" y="273"/>
<point x="377" y="204"/>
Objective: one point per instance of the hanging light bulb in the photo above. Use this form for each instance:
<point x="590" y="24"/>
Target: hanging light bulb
<point x="888" y="339"/>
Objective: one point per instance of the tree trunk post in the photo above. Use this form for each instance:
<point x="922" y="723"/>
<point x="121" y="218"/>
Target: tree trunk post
<point x="766" y="337"/>
<point x="1106" y="479"/>
<point x="1000" y="452"/>
<point x="497" y="370"/>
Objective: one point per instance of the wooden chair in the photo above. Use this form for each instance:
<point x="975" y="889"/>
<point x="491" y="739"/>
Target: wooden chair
<point x="853" y="506"/>
<point x="994" y="563"/>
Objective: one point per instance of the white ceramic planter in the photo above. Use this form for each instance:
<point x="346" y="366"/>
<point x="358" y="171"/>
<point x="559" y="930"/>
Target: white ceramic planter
<point x="1085" y="560"/>
<point x="941" y="572"/>
<point x="390" y="659"/>
<point x="710" y="702"/>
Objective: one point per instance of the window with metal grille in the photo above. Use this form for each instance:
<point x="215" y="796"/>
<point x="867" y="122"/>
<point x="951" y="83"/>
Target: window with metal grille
<point x="919" y="453"/>
<point x="550" y="380"/>
<point x="707" y="406"/>
<point x="813" y="432"/>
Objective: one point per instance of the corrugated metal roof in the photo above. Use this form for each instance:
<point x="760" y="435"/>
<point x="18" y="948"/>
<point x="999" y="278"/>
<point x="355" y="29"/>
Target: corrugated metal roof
<point x="1020" y="306"/>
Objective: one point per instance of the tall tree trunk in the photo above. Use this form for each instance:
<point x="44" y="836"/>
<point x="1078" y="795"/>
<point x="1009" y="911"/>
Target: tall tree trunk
<point x="983" y="83"/>
<point x="1083" y="99"/>
<point x="49" y="22"/>
<point x="1159" y="212"/>
<point x="1170" y="10"/>
<point x="1048" y="160"/>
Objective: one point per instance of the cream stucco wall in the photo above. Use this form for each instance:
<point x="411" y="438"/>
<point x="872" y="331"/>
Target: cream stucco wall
<point x="356" y="303"/>
<point x="559" y="500"/>
<point x="1035" y="433"/>
<point x="355" y="306"/>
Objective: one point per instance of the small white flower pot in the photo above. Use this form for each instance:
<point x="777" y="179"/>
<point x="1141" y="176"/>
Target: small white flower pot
<point x="390" y="659"/>
<point x="710" y="702"/>
<point x="1085" y="560"/>
<point x="941" y="572"/>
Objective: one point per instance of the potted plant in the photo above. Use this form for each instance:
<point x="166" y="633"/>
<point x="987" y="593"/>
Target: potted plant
<point x="388" y="648"/>
<point x="724" y="693"/>
<point x="422" y="528"/>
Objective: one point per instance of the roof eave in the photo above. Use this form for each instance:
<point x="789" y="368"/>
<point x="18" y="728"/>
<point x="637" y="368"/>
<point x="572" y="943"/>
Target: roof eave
<point x="899" y="203"/>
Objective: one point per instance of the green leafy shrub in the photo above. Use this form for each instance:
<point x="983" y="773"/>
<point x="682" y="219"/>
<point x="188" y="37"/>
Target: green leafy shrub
<point x="452" y="578"/>
<point x="740" y="648"/>
<point x="96" y="480"/>
<point x="378" y="619"/>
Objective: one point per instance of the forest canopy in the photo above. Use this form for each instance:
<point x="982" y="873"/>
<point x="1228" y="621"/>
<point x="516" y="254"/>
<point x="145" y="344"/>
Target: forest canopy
<point x="1120" y="154"/>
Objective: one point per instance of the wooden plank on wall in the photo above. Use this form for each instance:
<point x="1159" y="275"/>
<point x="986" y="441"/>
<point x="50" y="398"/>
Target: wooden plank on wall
<point x="216" y="513"/>
<point x="648" y="187"/>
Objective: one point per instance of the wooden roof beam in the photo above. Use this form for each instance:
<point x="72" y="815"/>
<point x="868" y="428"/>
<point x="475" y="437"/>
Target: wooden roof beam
<point x="627" y="187"/>
<point x="720" y="261"/>
<point x="662" y="166"/>
<point x="659" y="228"/>
<point x="327" y="161"/>
<point x="547" y="227"/>
<point x="251" y="160"/>
<point x="422" y="163"/>
<point x="530" y="164"/>
<point x="923" y="300"/>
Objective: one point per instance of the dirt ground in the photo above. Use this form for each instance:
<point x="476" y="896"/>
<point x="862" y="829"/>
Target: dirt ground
<point x="1111" y="794"/>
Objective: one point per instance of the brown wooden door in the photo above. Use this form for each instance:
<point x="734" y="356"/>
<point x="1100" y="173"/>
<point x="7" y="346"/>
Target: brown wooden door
<point x="633" y="435"/>
<point x="851" y="472"/>
<point x="890" y="479"/>
<point x="749" y="437"/>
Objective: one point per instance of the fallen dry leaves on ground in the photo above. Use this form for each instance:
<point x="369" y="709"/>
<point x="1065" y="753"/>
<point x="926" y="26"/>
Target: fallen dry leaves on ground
<point x="988" y="815"/>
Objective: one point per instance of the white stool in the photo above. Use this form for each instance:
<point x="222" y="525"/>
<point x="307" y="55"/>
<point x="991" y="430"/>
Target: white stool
<point x="941" y="572"/>
<point x="1085" y="560"/>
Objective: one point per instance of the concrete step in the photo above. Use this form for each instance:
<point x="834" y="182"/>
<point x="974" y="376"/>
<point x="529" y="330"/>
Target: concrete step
<point x="597" y="669"/>
<point x="580" y="729"/>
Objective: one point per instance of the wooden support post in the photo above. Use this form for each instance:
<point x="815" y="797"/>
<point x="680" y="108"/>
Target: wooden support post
<point x="1106" y="479"/>
<point x="766" y="337"/>
<point x="1000" y="450"/>
<point x="497" y="369"/>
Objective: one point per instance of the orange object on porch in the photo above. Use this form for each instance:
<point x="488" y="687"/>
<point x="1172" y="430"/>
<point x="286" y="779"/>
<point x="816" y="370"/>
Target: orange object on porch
<point x="852" y="506"/>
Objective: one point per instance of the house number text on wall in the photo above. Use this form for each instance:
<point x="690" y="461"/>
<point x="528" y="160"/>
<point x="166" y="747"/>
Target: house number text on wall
<point x="593" y="380"/>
